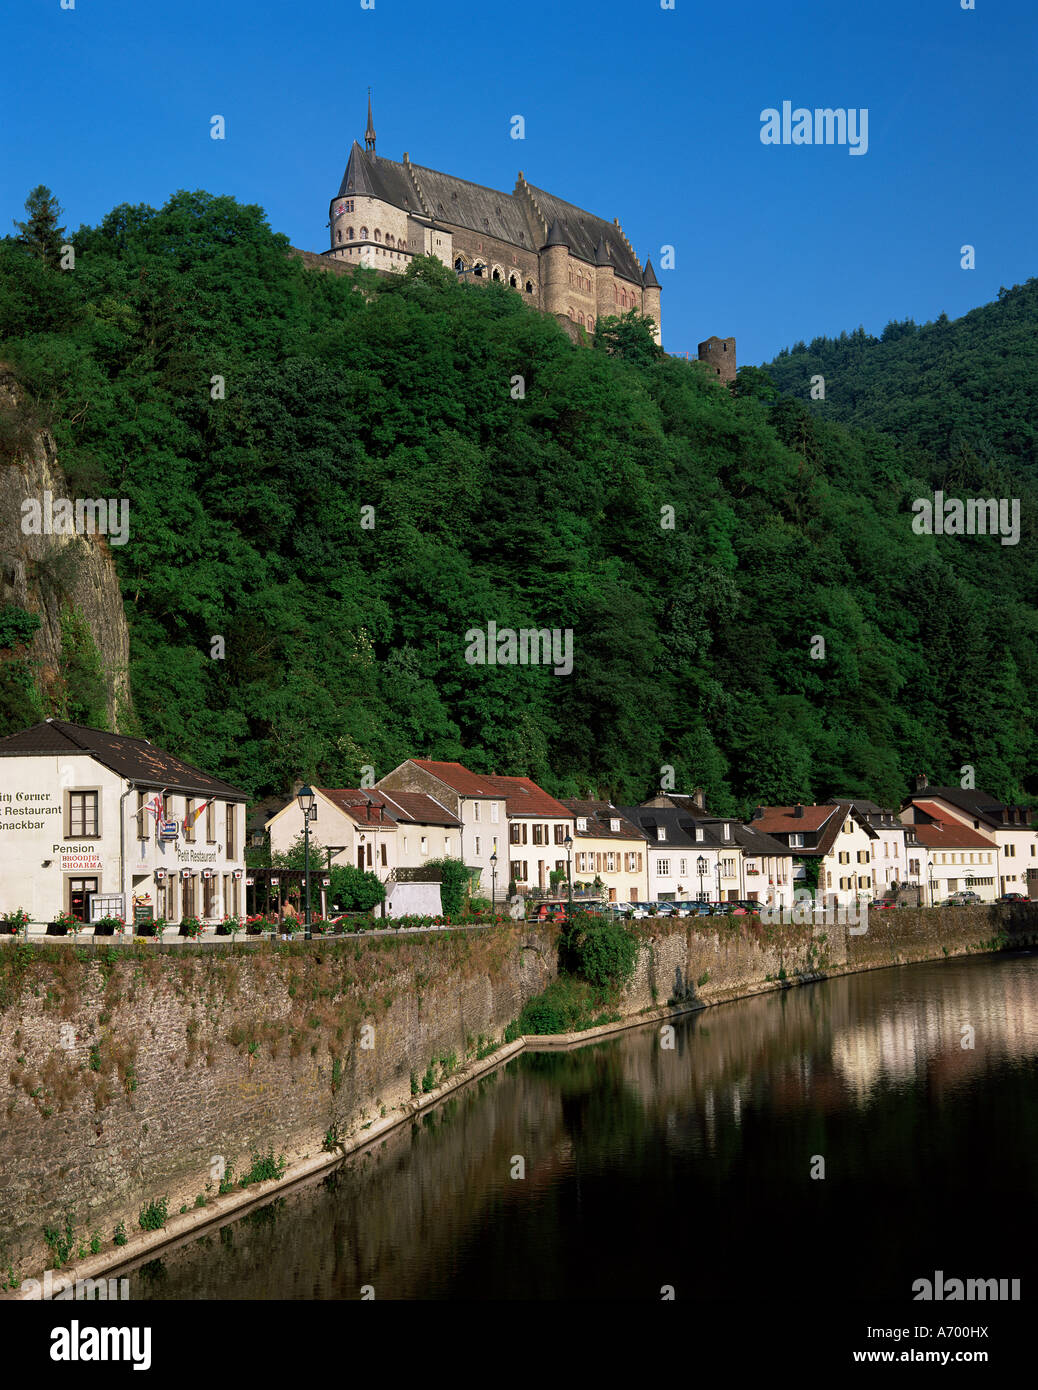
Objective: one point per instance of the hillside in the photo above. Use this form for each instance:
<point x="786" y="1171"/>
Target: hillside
<point x="958" y="393"/>
<point x="344" y="628"/>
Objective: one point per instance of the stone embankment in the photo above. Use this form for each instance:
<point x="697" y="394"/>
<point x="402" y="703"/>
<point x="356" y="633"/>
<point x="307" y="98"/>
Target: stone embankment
<point x="132" y="1077"/>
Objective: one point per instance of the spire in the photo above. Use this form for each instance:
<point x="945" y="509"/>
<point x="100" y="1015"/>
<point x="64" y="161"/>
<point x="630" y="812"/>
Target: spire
<point x="602" y="254"/>
<point x="369" y="134"/>
<point x="649" y="276"/>
<point x="556" y="236"/>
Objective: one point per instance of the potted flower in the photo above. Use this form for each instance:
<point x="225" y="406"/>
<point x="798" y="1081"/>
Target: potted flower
<point x="258" y="923"/>
<point x="108" y="926"/>
<point x="13" y="922"/>
<point x="190" y="927"/>
<point x="64" y="924"/>
<point x="230" y="926"/>
<point x="153" y="928"/>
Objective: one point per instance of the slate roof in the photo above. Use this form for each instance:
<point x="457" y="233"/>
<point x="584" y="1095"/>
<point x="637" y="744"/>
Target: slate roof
<point x="354" y="801"/>
<point x="458" y="202"/>
<point x="680" y="830"/>
<point x="583" y="232"/>
<point x="416" y="808"/>
<point x="599" y="814"/>
<point x="950" y="834"/>
<point x="133" y="758"/>
<point x="979" y="804"/>
<point x="374" y="177"/>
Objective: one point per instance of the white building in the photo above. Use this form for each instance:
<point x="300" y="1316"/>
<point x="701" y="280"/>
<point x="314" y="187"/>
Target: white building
<point x="1007" y="828"/>
<point x="838" y="836"/>
<point x="86" y="815"/>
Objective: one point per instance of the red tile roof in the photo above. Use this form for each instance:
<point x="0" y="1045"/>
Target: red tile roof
<point x="525" y="798"/>
<point x="416" y="808"/>
<point x="353" y="801"/>
<point x="947" y="833"/>
<point x="459" y="778"/>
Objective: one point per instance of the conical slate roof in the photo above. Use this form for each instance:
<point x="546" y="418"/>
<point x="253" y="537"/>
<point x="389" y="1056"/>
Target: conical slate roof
<point x="556" y="236"/>
<point x="602" y="256"/>
<point x="649" y="278"/>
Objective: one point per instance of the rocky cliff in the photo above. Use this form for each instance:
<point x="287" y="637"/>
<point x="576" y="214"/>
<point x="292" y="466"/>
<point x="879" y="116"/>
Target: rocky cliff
<point x="69" y="581"/>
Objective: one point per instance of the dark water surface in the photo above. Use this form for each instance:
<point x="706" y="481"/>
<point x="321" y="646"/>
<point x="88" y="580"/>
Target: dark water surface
<point x="690" y="1167"/>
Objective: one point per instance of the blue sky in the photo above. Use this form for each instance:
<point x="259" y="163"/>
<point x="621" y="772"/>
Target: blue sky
<point x="649" y="115"/>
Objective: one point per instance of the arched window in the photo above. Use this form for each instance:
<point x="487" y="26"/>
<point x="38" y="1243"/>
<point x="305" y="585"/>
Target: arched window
<point x="512" y="281"/>
<point x="580" y="320"/>
<point x="349" y="233"/>
<point x="529" y="287"/>
<point x="378" y="235"/>
<point x="363" y="233"/>
<point x="338" y="235"/>
<point x="590" y="323"/>
<point x="497" y="275"/>
<point x="459" y="265"/>
<point x="479" y="268"/>
<point x="570" y="312"/>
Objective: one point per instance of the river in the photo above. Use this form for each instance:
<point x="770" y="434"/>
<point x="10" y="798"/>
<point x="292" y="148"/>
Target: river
<point x="697" y="1167"/>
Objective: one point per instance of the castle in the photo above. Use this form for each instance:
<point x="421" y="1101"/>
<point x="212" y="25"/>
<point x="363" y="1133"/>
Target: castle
<point x="560" y="258"/>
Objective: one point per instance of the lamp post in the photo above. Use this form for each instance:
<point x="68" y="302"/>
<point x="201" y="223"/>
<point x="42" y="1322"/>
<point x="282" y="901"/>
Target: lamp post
<point x="306" y="801"/>
<point x="701" y="868"/>
<point x="718" y="866"/>
<point x="568" y="842"/>
<point x="933" y="901"/>
<point x="493" y="879"/>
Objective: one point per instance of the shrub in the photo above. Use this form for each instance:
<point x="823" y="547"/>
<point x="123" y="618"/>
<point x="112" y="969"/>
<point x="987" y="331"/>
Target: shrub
<point x="601" y="950"/>
<point x="153" y="1216"/>
<point x="355" y="890"/>
<point x="454" y="878"/>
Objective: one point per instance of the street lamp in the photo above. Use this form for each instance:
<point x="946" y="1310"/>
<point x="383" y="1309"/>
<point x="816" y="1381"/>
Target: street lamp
<point x="306" y="801"/>
<point x="493" y="879"/>
<point x="719" y="896"/>
<point x="701" y="868"/>
<point x="933" y="902"/>
<point x="568" y="842"/>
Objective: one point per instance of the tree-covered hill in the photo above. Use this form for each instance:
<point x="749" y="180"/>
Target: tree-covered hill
<point x="961" y="393"/>
<point x="539" y="504"/>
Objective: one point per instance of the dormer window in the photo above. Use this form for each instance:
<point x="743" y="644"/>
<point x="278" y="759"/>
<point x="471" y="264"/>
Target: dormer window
<point x="614" y="825"/>
<point x="661" y="833"/>
<point x="582" y="822"/>
<point x="699" y="832"/>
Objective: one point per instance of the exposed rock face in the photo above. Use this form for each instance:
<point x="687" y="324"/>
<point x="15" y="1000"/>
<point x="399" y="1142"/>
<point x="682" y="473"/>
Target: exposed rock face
<point x="44" y="574"/>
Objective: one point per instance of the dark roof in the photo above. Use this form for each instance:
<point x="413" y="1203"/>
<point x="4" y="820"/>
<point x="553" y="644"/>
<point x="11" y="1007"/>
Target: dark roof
<point x="688" y="804"/>
<point x="599" y="814"/>
<point x="650" y="818"/>
<point x="602" y="253"/>
<point x="263" y="810"/>
<point x="459" y="203"/>
<point x="979" y="804"/>
<point x="556" y="236"/>
<point x="369" y="175"/>
<point x="649" y="278"/>
<point x="133" y="758"/>
<point x="756" y="842"/>
<point x="583" y="232"/>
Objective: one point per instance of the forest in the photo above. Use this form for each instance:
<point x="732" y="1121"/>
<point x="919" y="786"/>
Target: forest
<point x="341" y="475"/>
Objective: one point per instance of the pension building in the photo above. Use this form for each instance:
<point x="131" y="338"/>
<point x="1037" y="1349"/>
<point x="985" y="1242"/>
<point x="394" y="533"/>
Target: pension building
<point x="92" y="817"/>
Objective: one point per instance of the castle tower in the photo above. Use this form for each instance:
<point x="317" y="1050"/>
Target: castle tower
<point x="719" y="353"/>
<point x="605" y="281"/>
<point x="369" y="134"/>
<point x="554" y="274"/>
<point x="651" y="296"/>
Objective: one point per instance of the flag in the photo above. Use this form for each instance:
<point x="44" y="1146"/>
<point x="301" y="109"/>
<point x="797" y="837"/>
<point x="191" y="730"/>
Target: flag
<point x="155" y="807"/>
<point x="190" y="820"/>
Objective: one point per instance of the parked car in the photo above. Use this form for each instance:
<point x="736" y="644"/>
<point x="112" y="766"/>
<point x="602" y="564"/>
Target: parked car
<point x="884" y="903"/>
<point x="1014" y="898"/>
<point x="700" y="909"/>
<point x="962" y="899"/>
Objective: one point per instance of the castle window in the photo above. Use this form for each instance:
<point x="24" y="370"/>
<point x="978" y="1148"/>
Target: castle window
<point x="529" y="287"/>
<point x="349" y="233"/>
<point x="511" y="281"/>
<point x="497" y="275"/>
<point x="570" y="312"/>
<point x="580" y="320"/>
<point x="478" y="269"/>
<point x="590" y="322"/>
<point x="459" y="265"/>
<point x="338" y="235"/>
<point x="363" y="233"/>
<point x="378" y="235"/>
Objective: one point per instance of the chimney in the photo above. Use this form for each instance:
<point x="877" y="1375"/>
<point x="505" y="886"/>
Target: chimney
<point x="798" y="810"/>
<point x="921" y="782"/>
<point x="699" y="798"/>
<point x="758" y="813"/>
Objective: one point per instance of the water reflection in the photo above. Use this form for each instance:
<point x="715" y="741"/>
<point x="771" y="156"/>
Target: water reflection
<point x="689" y="1166"/>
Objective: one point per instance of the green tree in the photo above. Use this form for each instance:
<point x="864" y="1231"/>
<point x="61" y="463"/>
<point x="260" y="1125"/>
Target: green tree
<point x="40" y="233"/>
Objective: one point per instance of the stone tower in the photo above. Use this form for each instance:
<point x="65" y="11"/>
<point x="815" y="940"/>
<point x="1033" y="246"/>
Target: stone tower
<point x="720" y="354"/>
<point x="651" y="296"/>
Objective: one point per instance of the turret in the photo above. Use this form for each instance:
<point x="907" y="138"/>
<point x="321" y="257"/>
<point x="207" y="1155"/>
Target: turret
<point x="720" y="354"/>
<point x="651" y="297"/>
<point x="554" y="275"/>
<point x="605" y="281"/>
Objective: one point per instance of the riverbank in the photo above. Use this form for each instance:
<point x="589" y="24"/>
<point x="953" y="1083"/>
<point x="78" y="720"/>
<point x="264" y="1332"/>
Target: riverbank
<point x="136" y="1078"/>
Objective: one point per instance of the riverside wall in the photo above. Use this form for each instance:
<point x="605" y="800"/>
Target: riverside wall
<point x="128" y="1075"/>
